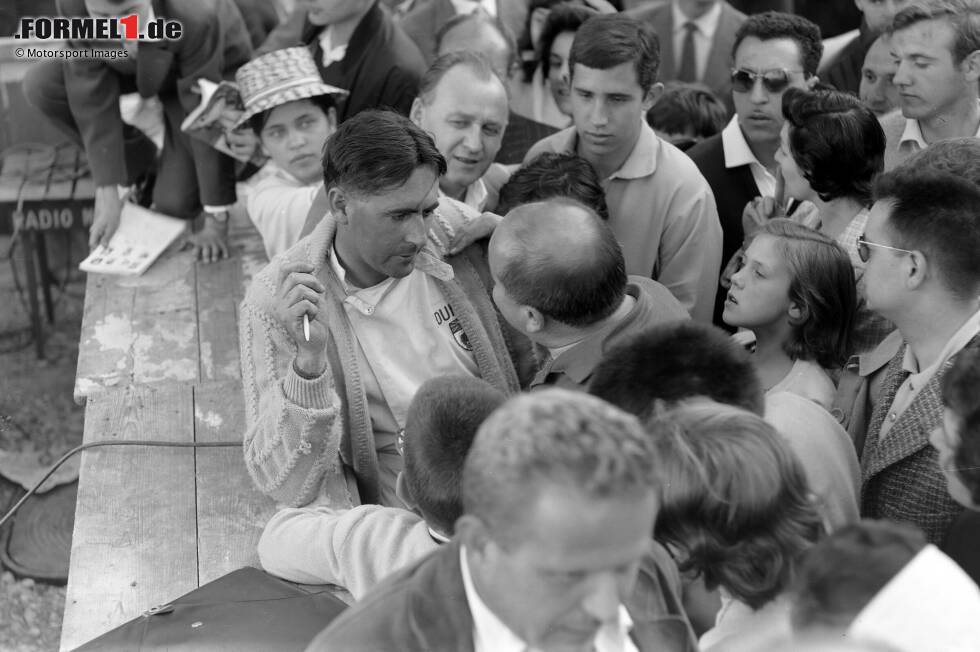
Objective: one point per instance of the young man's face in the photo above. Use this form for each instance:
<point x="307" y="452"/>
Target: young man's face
<point x="878" y="88"/>
<point x="881" y="284"/>
<point x="466" y="117"/>
<point x="572" y="561"/>
<point x="760" y="109"/>
<point x="879" y="13"/>
<point x="388" y="229"/>
<point x="294" y="135"/>
<point x="928" y="81"/>
<point x="608" y="109"/>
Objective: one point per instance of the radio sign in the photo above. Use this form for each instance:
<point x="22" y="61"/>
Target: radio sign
<point x="53" y="219"/>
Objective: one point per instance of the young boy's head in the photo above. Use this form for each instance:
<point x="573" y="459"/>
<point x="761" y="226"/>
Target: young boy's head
<point x="686" y="114"/>
<point x="958" y="440"/>
<point x="440" y="425"/>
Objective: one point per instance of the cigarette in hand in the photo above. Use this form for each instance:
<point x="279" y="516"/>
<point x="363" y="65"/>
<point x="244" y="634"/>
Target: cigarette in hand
<point x="306" y="326"/>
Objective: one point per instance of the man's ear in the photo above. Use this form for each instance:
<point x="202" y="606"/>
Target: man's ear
<point x="337" y="201"/>
<point x="917" y="269"/>
<point x="534" y="319"/>
<point x="971" y="66"/>
<point x="404" y="493"/>
<point x="652" y="96"/>
<point x="417" y="111"/>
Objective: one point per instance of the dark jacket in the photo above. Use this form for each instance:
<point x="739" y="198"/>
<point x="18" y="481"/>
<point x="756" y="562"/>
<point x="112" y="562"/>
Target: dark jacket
<point x="424" y="609"/>
<point x="733" y="188"/>
<point x="214" y="43"/>
<point x="382" y="67"/>
<point x="844" y="72"/>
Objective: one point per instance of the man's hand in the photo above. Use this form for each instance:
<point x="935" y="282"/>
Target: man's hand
<point x="481" y="227"/>
<point x="211" y="242"/>
<point x="757" y="212"/>
<point x="108" y="207"/>
<point x="300" y="293"/>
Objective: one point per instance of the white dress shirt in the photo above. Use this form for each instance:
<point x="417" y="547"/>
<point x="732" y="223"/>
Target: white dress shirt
<point x="490" y="634"/>
<point x="912" y="139"/>
<point x="738" y="152"/>
<point x="704" y="35"/>
<point x="469" y="6"/>
<point x="331" y="53"/>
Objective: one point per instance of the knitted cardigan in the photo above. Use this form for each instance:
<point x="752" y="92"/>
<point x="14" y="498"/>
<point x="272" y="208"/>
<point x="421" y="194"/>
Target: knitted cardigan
<point x="299" y="430"/>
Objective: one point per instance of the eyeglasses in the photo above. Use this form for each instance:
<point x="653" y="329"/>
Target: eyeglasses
<point x="774" y="81"/>
<point x="864" y="252"/>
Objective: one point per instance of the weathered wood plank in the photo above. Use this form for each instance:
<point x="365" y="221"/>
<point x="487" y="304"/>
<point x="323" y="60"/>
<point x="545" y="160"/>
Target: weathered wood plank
<point x="218" y="295"/>
<point x="133" y="545"/>
<point x="231" y="511"/>
<point x="105" y="343"/>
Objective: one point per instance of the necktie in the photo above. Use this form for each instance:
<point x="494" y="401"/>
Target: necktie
<point x="688" y="68"/>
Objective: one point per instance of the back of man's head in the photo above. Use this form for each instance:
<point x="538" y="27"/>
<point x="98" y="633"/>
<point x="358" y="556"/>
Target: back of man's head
<point x="841" y="574"/>
<point x="674" y="362"/>
<point x="773" y="25"/>
<point x="559" y="257"/>
<point x="609" y="40"/>
<point x="937" y="214"/>
<point x="959" y="156"/>
<point x="963" y="17"/>
<point x="550" y="175"/>
<point x="376" y="151"/>
<point x="479" y="32"/>
<point x="441" y="423"/>
<point x="553" y="439"/>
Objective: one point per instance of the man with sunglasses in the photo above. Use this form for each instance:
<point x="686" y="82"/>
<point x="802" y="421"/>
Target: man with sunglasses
<point x="773" y="52"/>
<point x="936" y="44"/>
<point x="923" y="274"/>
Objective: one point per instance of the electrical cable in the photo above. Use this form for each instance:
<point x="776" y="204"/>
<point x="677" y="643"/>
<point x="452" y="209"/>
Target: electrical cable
<point x="116" y="442"/>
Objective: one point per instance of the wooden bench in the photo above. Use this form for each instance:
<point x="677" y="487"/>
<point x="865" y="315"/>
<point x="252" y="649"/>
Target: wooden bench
<point x="158" y="359"/>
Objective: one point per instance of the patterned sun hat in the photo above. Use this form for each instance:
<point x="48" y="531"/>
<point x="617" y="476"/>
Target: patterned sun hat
<point x="278" y="77"/>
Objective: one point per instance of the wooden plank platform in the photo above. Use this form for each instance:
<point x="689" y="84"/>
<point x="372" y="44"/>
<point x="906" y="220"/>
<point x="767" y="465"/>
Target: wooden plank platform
<point x="158" y="360"/>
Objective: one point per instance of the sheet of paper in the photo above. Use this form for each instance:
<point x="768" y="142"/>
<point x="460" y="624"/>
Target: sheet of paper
<point x="140" y="239"/>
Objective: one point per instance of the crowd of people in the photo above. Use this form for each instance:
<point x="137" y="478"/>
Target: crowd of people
<point x="638" y="325"/>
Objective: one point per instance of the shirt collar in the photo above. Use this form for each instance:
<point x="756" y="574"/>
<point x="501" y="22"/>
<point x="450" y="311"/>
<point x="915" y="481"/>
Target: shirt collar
<point x="707" y="24"/>
<point x="469" y="6"/>
<point x="330" y="53"/>
<point x="490" y="633"/>
<point x="641" y="162"/>
<point x="960" y="339"/>
<point x="437" y="536"/>
<point x="913" y="134"/>
<point x="736" y="148"/>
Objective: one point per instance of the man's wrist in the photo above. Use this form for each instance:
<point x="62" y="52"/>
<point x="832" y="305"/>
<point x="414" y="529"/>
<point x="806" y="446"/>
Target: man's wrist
<point x="216" y="220"/>
<point x="309" y="367"/>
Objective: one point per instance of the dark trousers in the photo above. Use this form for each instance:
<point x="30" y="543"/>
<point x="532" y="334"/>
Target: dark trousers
<point x="175" y="191"/>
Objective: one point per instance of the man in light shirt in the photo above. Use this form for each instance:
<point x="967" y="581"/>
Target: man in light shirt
<point x="923" y="274"/>
<point x="660" y="207"/>
<point x="696" y="40"/>
<point x="937" y="46"/>
<point x="773" y="52"/>
<point x="559" y="497"/>
<point x="462" y="104"/>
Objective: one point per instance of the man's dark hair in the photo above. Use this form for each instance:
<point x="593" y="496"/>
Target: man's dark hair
<point x="258" y="121"/>
<point x="841" y="574"/>
<point x="525" y="47"/>
<point x="610" y="40"/>
<point x="961" y="394"/>
<point x="554" y="174"/>
<point x="939" y="214"/>
<point x="959" y="156"/>
<point x="440" y="425"/>
<point x="669" y="363"/>
<point x="563" y="18"/>
<point x="688" y="108"/>
<point x="772" y="25"/>
<point x="377" y="150"/>
<point x="577" y="292"/>
<point x="485" y="19"/>
<point x="478" y="63"/>
<point x="962" y="15"/>
<point x="836" y="141"/>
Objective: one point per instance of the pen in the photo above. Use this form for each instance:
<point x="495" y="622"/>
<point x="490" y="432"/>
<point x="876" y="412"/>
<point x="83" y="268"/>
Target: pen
<point x="306" y="326"/>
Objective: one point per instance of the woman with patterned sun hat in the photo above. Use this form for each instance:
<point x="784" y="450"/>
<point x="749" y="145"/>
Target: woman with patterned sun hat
<point x="292" y="113"/>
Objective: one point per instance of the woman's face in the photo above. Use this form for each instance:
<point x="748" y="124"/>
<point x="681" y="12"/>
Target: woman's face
<point x="558" y="71"/>
<point x="294" y="136"/>
<point x="797" y="186"/>
<point x="759" y="295"/>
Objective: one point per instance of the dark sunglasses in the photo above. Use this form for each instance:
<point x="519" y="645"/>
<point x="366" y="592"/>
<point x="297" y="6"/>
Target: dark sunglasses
<point x="774" y="81"/>
<point x="864" y="248"/>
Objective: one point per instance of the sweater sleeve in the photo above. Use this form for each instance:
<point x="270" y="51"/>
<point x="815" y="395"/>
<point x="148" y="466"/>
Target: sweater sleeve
<point x="293" y="424"/>
<point x="353" y="548"/>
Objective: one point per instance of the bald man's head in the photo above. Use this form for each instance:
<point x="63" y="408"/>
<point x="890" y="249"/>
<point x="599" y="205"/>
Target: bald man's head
<point x="559" y="258"/>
